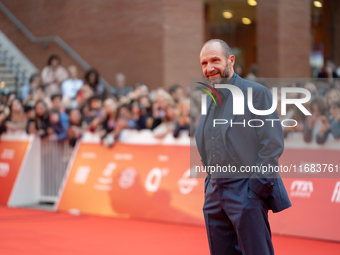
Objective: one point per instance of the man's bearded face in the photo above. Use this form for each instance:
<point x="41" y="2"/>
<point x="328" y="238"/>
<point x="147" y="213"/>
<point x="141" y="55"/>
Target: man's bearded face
<point x="217" y="76"/>
<point x="214" y="63"/>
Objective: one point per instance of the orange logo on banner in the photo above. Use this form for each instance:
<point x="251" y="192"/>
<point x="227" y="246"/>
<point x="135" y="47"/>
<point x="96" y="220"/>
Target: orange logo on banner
<point x="11" y="156"/>
<point x="144" y="181"/>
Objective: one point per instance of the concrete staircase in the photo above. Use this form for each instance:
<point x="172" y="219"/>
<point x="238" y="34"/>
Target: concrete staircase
<point x="8" y="78"/>
<point x="15" y="68"/>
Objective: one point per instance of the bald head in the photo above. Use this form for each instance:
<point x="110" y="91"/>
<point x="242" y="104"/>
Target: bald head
<point x="224" y="46"/>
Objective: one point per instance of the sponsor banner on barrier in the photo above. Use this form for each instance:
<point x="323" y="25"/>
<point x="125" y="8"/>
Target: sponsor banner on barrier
<point x="315" y="201"/>
<point x="153" y="182"/>
<point x="11" y="156"/>
<point x="129" y="180"/>
<point x="314" y="212"/>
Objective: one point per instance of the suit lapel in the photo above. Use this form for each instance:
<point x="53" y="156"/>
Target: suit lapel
<point x="199" y="130"/>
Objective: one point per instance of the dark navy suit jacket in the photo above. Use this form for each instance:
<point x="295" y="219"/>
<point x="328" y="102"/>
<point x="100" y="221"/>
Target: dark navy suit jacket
<point x="250" y="146"/>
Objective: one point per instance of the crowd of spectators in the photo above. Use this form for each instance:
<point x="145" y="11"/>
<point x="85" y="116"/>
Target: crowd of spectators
<point x="58" y="105"/>
<point x="324" y="120"/>
<point x="324" y="104"/>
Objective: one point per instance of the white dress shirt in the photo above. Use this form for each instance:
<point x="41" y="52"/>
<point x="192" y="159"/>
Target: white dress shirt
<point x="70" y="87"/>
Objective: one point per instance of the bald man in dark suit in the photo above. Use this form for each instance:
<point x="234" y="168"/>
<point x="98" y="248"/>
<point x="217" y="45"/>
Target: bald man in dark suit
<point x="236" y="204"/>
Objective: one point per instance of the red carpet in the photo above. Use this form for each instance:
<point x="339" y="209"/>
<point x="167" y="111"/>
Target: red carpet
<point x="25" y="231"/>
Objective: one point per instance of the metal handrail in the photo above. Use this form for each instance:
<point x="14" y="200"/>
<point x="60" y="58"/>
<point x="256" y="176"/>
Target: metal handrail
<point x="45" y="40"/>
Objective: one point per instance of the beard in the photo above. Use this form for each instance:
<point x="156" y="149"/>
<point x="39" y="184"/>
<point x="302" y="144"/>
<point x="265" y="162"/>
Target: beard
<point x="223" y="77"/>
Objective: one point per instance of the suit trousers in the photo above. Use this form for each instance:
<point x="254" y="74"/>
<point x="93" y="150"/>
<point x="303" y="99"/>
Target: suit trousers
<point x="236" y="218"/>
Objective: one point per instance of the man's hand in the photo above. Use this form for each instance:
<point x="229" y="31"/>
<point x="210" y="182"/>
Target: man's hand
<point x="41" y="132"/>
<point x="53" y="137"/>
<point x="325" y="126"/>
<point x="311" y="121"/>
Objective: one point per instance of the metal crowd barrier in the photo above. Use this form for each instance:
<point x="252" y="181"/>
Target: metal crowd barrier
<point x="54" y="160"/>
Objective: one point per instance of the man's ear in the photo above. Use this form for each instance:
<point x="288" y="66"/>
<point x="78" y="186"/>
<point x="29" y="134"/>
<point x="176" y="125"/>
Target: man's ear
<point x="231" y="60"/>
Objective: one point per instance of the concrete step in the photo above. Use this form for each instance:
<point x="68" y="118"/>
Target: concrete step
<point x="8" y="77"/>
